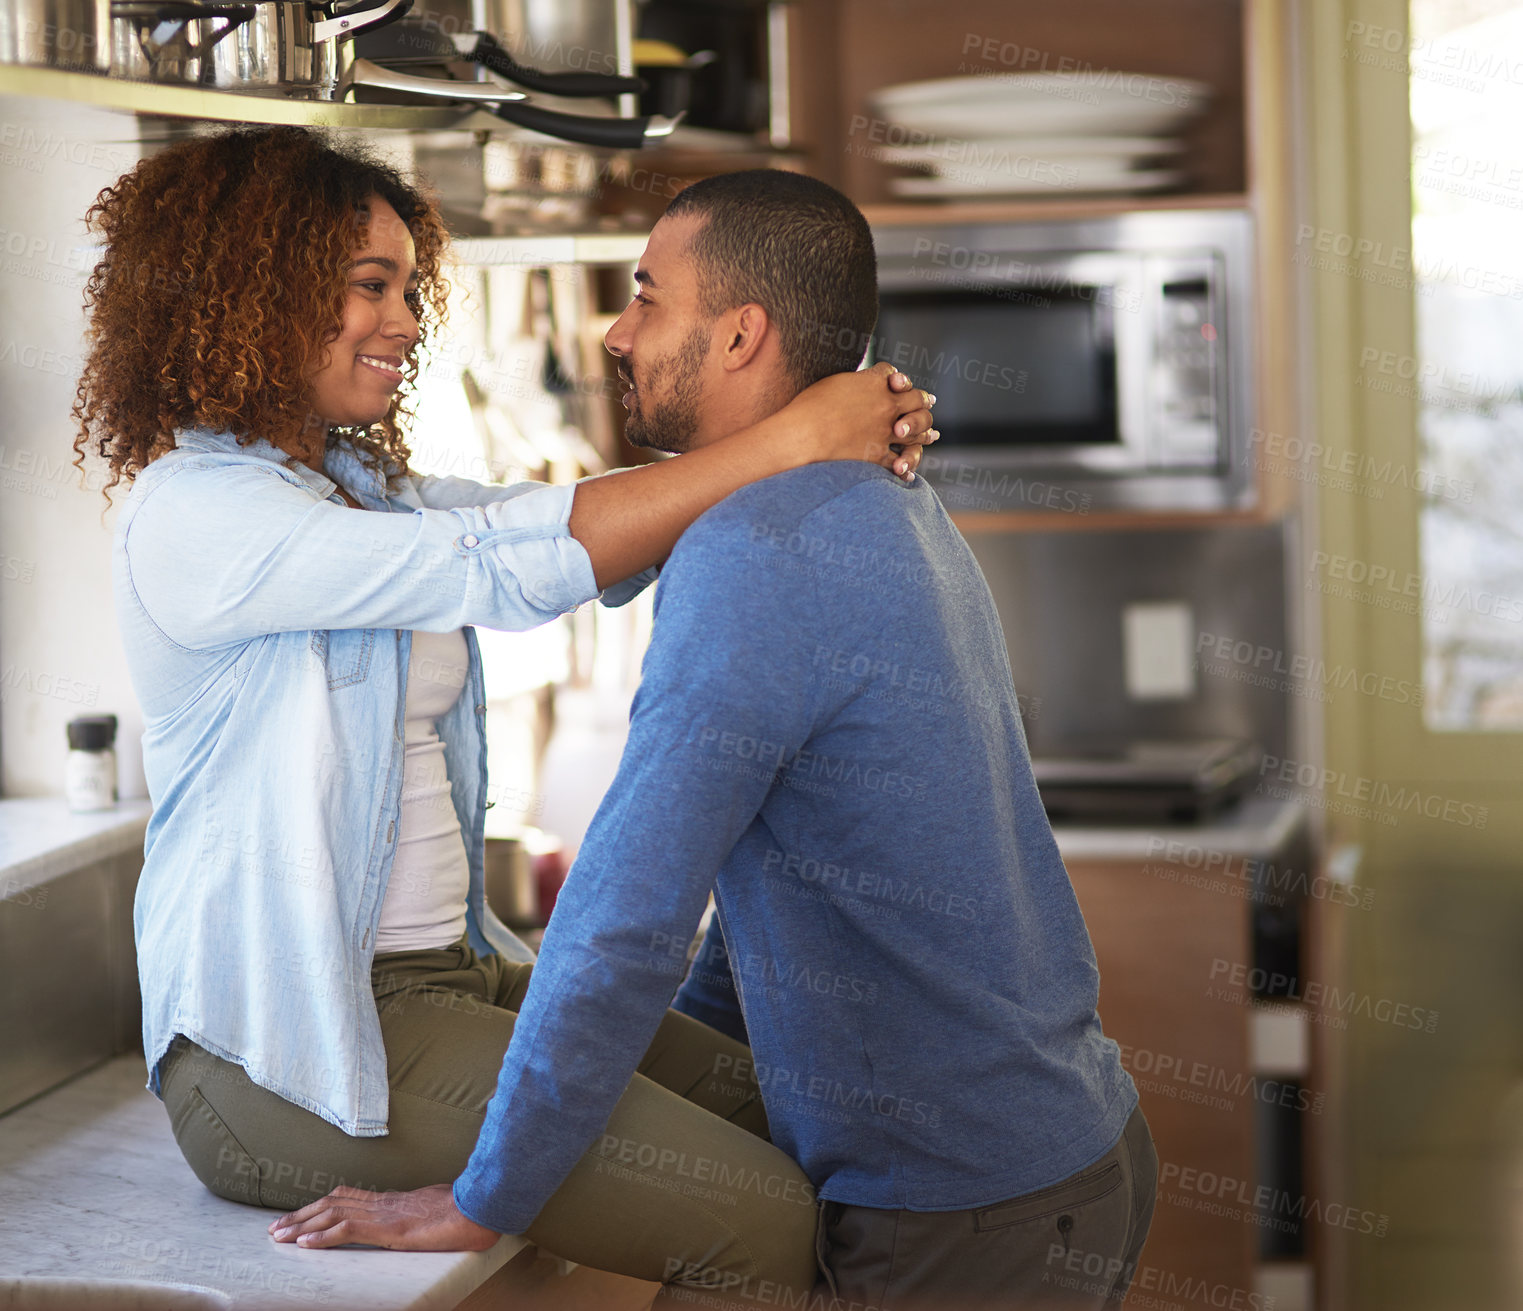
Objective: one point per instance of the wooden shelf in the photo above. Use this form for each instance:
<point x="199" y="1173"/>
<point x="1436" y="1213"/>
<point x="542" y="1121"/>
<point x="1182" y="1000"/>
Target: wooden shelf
<point x="886" y="214"/>
<point x="153" y="98"/>
<point x="1100" y="521"/>
<point x="543" y="249"/>
<point x="843" y="51"/>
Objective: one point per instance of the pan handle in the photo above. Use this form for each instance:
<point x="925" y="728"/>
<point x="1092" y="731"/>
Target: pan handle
<point x="359" y="18"/>
<point x="367" y="73"/>
<point x="487" y="50"/>
<point x="610" y="133"/>
<point x="165" y="11"/>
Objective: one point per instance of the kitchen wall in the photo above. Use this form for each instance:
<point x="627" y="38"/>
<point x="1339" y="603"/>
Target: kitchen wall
<point x="60" y="655"/>
<point x="1061" y="597"/>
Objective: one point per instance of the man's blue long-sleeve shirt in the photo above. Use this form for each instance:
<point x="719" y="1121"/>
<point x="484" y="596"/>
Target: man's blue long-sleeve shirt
<point x="826" y="734"/>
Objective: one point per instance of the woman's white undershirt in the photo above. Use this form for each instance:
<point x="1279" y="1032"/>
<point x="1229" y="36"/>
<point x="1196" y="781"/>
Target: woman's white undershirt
<point x="425" y="898"/>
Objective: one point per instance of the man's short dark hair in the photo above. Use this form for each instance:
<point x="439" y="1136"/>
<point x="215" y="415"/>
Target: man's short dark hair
<point x="796" y="247"/>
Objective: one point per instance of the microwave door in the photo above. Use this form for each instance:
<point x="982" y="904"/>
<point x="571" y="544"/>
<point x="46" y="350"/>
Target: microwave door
<point x="1133" y="328"/>
<point x="1028" y="364"/>
<point x="1082" y="351"/>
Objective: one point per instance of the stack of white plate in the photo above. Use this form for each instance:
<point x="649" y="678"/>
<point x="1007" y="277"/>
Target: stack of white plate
<point x="1024" y="134"/>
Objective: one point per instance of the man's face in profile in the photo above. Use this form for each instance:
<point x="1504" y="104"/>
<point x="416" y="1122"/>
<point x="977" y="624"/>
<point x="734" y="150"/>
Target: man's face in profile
<point x="662" y="341"/>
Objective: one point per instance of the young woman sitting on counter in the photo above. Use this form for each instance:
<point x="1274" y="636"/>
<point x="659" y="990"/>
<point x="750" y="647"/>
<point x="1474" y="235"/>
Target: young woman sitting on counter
<point x="326" y="997"/>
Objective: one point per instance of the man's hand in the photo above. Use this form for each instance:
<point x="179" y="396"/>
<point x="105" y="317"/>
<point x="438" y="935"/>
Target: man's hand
<point x="424" y="1220"/>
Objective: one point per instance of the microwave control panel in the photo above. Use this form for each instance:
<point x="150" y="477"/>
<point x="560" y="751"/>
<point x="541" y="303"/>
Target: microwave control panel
<point x="1186" y="414"/>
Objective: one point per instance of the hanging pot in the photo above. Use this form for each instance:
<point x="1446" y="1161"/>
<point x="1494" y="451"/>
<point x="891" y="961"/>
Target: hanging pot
<point x="296" y="49"/>
<point x="67" y="34"/>
<point x="575" y="36"/>
<point x="168" y="40"/>
<point x="392" y="62"/>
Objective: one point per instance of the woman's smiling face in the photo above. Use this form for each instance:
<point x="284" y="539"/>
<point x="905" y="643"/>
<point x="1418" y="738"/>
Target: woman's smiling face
<point x="362" y="366"/>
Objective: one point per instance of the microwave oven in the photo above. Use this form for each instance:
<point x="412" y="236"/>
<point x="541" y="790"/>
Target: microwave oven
<point x="1090" y="363"/>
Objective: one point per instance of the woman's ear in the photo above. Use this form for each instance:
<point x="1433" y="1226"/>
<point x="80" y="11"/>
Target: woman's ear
<point x="746" y="332"/>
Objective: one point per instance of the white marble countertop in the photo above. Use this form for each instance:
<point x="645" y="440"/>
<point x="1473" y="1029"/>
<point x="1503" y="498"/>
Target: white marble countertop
<point x="41" y="838"/>
<point x="92" y="1186"/>
<point x="1256" y="826"/>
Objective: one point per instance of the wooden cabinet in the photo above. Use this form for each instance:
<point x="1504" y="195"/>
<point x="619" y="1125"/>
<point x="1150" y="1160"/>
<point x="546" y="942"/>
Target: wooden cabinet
<point x="1237" y="155"/>
<point x="1206" y="938"/>
<point x="845" y="49"/>
<point x="1160" y="933"/>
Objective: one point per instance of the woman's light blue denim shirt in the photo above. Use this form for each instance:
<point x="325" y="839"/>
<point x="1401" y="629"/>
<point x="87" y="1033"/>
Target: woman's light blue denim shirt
<point x="267" y="628"/>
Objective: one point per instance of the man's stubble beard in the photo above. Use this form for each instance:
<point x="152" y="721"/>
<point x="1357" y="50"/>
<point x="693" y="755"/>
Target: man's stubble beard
<point x="669" y="424"/>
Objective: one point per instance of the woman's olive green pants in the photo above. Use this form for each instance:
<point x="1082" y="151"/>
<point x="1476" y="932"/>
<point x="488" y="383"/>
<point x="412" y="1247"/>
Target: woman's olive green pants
<point x="683" y="1178"/>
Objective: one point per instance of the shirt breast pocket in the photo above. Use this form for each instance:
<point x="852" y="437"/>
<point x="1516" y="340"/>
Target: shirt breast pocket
<point x="345" y="654"/>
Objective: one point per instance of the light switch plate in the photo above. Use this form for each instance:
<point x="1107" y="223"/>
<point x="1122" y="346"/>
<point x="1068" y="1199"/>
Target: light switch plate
<point x="1279" y="1042"/>
<point x="1158" y="646"/>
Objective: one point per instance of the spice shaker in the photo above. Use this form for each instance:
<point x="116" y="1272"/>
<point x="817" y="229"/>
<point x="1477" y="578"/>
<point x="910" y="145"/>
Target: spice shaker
<point x="89" y="776"/>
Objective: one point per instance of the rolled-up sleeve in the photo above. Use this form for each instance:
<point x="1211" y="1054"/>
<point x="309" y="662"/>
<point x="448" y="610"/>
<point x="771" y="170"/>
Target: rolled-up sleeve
<point x="452" y="493"/>
<point x="625" y="592"/>
<point x="219" y="554"/>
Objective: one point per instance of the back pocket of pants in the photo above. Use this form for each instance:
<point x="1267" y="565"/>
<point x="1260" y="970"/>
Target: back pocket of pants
<point x="211" y="1151"/>
<point x="1066" y="1196"/>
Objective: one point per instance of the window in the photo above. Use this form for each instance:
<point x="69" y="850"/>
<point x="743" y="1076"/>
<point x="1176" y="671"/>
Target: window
<point x="1466" y="96"/>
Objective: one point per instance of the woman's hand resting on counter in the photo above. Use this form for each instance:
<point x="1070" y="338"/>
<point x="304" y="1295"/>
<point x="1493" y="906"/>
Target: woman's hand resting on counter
<point x="422" y="1220"/>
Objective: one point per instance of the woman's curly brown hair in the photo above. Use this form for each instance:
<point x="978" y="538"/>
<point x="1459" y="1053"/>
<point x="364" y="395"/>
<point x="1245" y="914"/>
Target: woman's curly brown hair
<point x="225" y="273"/>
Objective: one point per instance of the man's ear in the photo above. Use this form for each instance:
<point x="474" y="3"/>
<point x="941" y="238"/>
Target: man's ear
<point x="746" y="331"/>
